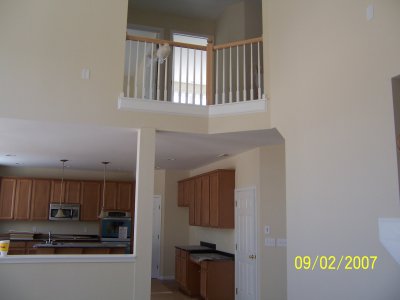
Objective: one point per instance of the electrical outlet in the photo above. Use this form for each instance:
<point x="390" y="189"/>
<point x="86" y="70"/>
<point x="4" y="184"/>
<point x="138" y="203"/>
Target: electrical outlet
<point x="267" y="230"/>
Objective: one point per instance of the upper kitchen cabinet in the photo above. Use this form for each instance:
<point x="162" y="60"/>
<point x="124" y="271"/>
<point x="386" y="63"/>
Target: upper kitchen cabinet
<point x="90" y="200"/>
<point x="23" y="199"/>
<point x="71" y="191"/>
<point x="125" y="196"/>
<point x="118" y="196"/>
<point x="40" y="199"/>
<point x="222" y="186"/>
<point x="7" y="198"/>
<point x="211" y="198"/>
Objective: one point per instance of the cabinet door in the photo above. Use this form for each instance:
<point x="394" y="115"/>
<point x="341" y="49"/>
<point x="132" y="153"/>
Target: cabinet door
<point x="178" y="266"/>
<point x="184" y="258"/>
<point x="203" y="279"/>
<point x="181" y="195"/>
<point x="23" y="199"/>
<point x="205" y="200"/>
<point x="90" y="199"/>
<point x="214" y="194"/>
<point x="124" y="196"/>
<point x="55" y="192"/>
<point x="72" y="192"/>
<point x="188" y="191"/>
<point x="197" y="201"/>
<point x="189" y="194"/>
<point x="40" y="199"/>
<point x="110" y="202"/>
<point x="7" y="198"/>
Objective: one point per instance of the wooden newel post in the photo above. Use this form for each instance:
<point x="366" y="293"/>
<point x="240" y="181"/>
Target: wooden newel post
<point x="210" y="73"/>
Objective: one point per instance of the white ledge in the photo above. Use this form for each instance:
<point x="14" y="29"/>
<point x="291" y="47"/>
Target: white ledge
<point x="167" y="107"/>
<point x="77" y="258"/>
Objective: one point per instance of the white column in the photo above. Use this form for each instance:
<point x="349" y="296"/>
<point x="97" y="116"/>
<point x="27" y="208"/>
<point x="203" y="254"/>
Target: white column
<point x="144" y="212"/>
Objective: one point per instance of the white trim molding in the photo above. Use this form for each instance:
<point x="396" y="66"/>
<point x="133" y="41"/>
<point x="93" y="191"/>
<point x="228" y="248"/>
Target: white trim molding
<point x="167" y="107"/>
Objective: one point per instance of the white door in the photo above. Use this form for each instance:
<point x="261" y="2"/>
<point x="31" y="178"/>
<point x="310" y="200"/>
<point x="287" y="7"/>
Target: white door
<point x="155" y="262"/>
<point x="246" y="244"/>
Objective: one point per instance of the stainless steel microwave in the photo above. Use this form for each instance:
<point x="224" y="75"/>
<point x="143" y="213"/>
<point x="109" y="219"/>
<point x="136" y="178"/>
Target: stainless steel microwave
<point x="69" y="212"/>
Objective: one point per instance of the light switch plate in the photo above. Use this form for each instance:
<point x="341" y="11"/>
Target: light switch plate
<point x="281" y="242"/>
<point x="270" y="242"/>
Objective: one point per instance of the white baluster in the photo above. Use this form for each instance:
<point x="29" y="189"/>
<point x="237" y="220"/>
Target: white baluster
<point x="180" y="73"/>
<point x="237" y="74"/>
<point x="187" y="75"/>
<point x="136" y="67"/>
<point x="244" y="74"/>
<point x="259" y="72"/>
<point x="230" y="74"/>
<point x="223" y="76"/>
<point x="144" y="70"/>
<point x="158" y="77"/>
<point x="251" y="72"/>
<point x="165" y="79"/>
<point x="201" y="77"/>
<point x="151" y="72"/>
<point x="129" y="70"/>
<point x="194" y="77"/>
<point x="216" y="78"/>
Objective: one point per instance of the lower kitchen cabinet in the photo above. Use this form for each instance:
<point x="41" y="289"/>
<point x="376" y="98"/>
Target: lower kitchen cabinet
<point x="217" y="280"/>
<point x="187" y="273"/>
<point x="21" y="247"/>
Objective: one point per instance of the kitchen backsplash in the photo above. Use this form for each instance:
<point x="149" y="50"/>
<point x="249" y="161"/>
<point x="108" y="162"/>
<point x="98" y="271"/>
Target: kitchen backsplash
<point x="60" y="227"/>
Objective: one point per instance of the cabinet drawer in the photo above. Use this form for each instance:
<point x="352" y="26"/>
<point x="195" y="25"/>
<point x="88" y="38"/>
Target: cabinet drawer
<point x="19" y="244"/>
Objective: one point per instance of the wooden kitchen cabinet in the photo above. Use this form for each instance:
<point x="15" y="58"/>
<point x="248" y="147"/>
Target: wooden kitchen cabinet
<point x="22" y="247"/>
<point x="125" y="196"/>
<point x="211" y="198"/>
<point x="187" y="273"/>
<point x="40" y="199"/>
<point x="90" y="200"/>
<point x="217" y="280"/>
<point x="7" y="197"/>
<point x="22" y="199"/>
<point x="222" y="186"/>
<point x="71" y="191"/>
<point x="205" y="201"/>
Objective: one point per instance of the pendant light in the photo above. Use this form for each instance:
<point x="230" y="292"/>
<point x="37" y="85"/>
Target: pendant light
<point x="60" y="213"/>
<point x="102" y="214"/>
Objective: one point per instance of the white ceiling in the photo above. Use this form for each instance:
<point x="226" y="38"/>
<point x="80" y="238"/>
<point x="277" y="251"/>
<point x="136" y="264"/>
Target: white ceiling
<point x="42" y="144"/>
<point x="206" y="9"/>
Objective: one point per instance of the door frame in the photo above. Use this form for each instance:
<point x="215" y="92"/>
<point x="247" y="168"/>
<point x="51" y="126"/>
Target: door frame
<point x="256" y="233"/>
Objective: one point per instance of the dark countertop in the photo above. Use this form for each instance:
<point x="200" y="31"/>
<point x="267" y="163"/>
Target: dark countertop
<point x="199" y="257"/>
<point x="199" y="249"/>
<point x="81" y="245"/>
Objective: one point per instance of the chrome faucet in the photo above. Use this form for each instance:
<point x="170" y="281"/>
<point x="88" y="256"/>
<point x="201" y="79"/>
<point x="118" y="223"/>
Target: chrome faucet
<point x="49" y="240"/>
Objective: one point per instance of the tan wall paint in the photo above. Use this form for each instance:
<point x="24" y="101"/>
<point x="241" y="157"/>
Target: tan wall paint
<point x="81" y="280"/>
<point x="230" y="25"/>
<point x="170" y="22"/>
<point x="272" y="212"/>
<point x="331" y="98"/>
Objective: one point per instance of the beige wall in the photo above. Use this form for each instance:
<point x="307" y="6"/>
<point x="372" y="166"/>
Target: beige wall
<point x="272" y="212"/>
<point x="331" y="98"/>
<point x="65" y="281"/>
<point x="230" y="25"/>
<point x="170" y="22"/>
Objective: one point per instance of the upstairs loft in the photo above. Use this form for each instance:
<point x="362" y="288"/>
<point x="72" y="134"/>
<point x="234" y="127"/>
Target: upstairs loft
<point x="196" y="80"/>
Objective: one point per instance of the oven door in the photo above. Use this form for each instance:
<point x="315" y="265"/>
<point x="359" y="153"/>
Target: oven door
<point x="115" y="228"/>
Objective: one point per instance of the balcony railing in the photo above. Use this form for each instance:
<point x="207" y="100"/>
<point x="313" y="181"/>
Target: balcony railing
<point x="168" y="71"/>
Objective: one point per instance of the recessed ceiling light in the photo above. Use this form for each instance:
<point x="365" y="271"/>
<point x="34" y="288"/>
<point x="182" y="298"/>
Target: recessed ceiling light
<point x="171" y="159"/>
<point x="10" y="155"/>
<point x="222" y="155"/>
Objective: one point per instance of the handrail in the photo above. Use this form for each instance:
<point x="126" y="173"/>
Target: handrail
<point x="239" y="43"/>
<point x="159" y="41"/>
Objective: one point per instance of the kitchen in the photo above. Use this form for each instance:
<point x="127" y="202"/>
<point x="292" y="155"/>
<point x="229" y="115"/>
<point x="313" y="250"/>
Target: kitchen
<point x="176" y="230"/>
